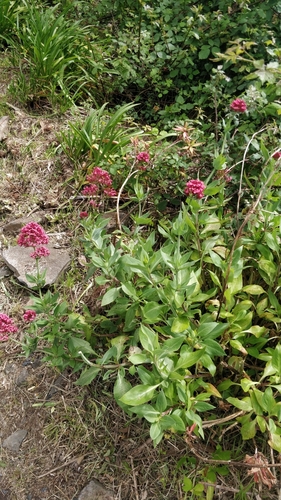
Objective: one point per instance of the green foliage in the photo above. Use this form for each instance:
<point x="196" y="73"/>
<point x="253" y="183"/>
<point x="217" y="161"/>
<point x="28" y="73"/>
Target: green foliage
<point x="8" y="13"/>
<point x="100" y="139"/>
<point x="57" y="61"/>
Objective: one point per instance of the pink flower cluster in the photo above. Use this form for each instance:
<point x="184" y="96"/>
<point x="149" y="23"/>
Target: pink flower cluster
<point x="277" y="155"/>
<point x="143" y="157"/>
<point x="239" y="106"/>
<point x="6" y="326"/>
<point x="29" y="315"/>
<point x="33" y="235"/>
<point x="100" y="183"/>
<point x="195" y="187"/>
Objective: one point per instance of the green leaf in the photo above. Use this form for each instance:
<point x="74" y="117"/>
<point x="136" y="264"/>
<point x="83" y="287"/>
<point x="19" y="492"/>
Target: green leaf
<point x="138" y="359"/>
<point x="76" y="344"/>
<point x="276" y="359"/>
<point x="253" y="289"/>
<point x="88" y="375"/>
<point x="204" y="52"/>
<point x="139" y="394"/>
<point x="187" y="484"/>
<point x="173" y="422"/>
<point x="180" y="324"/>
<point x="110" y="296"/>
<point x="148" y="339"/>
<point x="188" y="359"/>
<point x="275" y="442"/>
<point x="146" y="411"/>
<point x="155" y="431"/>
<point x="248" y="430"/>
<point x="121" y="386"/>
<point x="242" y="404"/>
<point x="153" y="312"/>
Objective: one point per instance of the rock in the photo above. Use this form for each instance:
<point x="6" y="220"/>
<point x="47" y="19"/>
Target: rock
<point x="4" y="127"/>
<point x="95" y="491"/>
<point x="18" y="259"/>
<point x="22" y="377"/>
<point x="13" y="442"/>
<point x="5" y="271"/>
<point x="14" y="226"/>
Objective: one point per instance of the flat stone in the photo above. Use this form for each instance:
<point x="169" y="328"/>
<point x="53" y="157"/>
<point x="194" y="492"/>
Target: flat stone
<point x="19" y="261"/>
<point x="14" y="226"/>
<point x="95" y="491"/>
<point x="13" y="442"/>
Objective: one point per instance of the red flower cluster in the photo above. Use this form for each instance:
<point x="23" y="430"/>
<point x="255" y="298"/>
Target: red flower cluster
<point x="83" y="215"/>
<point x="33" y="235"/>
<point x="29" y="315"/>
<point x="239" y="106"/>
<point x="6" y="326"/>
<point x="100" y="182"/>
<point x="195" y="187"/>
<point x="143" y="157"/>
<point x="277" y="155"/>
<point x="40" y="252"/>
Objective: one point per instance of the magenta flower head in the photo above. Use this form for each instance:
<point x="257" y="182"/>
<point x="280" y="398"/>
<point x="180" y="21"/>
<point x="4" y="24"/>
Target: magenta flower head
<point x="143" y="157"/>
<point x="6" y="326"/>
<point x="110" y="192"/>
<point x="195" y="187"/>
<point x="40" y="252"/>
<point x="32" y="235"/>
<point x="239" y="106"/>
<point x="83" y="215"/>
<point x="277" y="155"/>
<point x="99" y="176"/>
<point x="29" y="315"/>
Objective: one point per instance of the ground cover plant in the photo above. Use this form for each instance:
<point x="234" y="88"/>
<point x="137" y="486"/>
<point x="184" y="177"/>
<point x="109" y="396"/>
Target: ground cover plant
<point x="178" y="310"/>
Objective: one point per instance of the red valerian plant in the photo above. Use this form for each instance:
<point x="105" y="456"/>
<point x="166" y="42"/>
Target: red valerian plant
<point x="6" y="326"/>
<point x="277" y="155"/>
<point x="239" y="106"/>
<point x="29" y="315"/>
<point x="143" y="157"/>
<point x="33" y="235"/>
<point x="195" y="187"/>
<point x="83" y="215"/>
<point x="100" y="183"/>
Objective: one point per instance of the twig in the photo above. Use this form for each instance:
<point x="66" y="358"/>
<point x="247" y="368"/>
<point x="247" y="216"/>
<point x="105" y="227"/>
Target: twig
<point x="131" y="173"/>
<point x="211" y="423"/>
<point x="135" y="480"/>
<point x="243" y="165"/>
<point x="77" y="459"/>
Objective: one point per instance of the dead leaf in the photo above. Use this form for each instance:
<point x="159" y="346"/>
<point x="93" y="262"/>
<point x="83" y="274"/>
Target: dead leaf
<point x="262" y="475"/>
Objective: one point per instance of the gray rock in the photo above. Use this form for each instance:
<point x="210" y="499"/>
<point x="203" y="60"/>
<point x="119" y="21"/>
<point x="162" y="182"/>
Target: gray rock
<point x="18" y="259"/>
<point x="95" y="491"/>
<point x="14" y="226"/>
<point x="5" y="271"/>
<point x="4" y="127"/>
<point x="13" y="442"/>
<point x="22" y="377"/>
